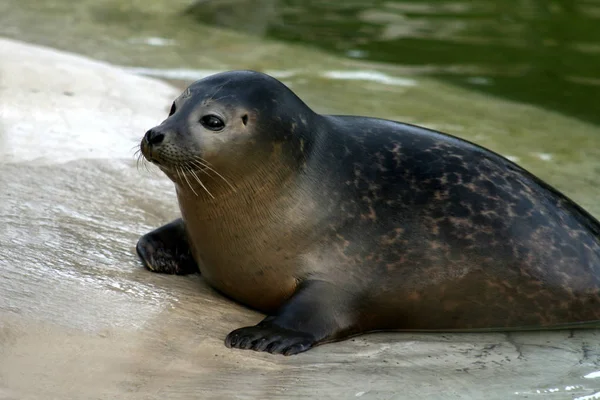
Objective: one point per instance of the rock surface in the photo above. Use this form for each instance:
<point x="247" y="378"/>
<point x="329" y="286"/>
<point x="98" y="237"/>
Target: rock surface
<point x="81" y="319"/>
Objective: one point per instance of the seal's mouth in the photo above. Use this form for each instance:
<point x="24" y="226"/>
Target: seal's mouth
<point x="148" y="152"/>
<point x="182" y="162"/>
<point x="182" y="166"/>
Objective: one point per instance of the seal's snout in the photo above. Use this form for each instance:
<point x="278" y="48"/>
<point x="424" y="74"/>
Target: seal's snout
<point x="151" y="143"/>
<point x="154" y="137"/>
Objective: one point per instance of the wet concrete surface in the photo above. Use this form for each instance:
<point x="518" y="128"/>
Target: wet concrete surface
<point x="81" y="319"/>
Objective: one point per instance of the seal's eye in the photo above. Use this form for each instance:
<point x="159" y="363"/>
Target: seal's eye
<point x="173" y="109"/>
<point x="212" y="122"/>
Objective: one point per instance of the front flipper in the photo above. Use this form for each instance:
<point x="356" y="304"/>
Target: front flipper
<point x="166" y="250"/>
<point x="318" y="312"/>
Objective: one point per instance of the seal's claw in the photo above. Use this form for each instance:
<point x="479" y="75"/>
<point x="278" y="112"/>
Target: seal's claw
<point x="166" y="250"/>
<point x="271" y="339"/>
<point x="155" y="259"/>
<point x="295" y="349"/>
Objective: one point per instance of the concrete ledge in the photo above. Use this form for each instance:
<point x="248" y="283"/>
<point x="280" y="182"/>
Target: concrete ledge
<point x="59" y="107"/>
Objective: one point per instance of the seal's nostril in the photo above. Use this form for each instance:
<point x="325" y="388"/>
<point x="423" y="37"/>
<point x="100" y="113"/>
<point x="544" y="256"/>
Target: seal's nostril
<point x="158" y="138"/>
<point x="153" y="137"/>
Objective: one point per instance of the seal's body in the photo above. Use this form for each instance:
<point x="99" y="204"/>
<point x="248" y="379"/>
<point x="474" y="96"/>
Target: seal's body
<point x="339" y="225"/>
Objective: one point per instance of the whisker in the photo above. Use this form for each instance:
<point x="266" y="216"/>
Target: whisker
<point x="212" y="97"/>
<point x="179" y="174"/>
<point x="201" y="164"/>
<point x="201" y="167"/>
<point x="222" y="97"/>
<point x="137" y="146"/>
<point x="188" y="182"/>
<point x="138" y="159"/>
<point x="200" y="182"/>
<point x="144" y="162"/>
<point x="203" y="160"/>
<point x="198" y="164"/>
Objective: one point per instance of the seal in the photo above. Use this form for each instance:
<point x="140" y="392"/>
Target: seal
<point x="334" y="226"/>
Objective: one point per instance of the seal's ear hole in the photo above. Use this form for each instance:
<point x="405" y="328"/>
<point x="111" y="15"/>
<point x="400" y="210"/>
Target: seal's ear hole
<point x="245" y="119"/>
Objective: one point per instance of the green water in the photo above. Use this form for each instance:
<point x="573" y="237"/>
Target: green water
<point x="536" y="51"/>
<point x="519" y="77"/>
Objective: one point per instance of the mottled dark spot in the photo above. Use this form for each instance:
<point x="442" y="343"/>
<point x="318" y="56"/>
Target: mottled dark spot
<point x="452" y="178"/>
<point x="479" y="219"/>
<point x="489" y="188"/>
<point x="496" y="223"/>
<point x="459" y="210"/>
<point x="523" y="206"/>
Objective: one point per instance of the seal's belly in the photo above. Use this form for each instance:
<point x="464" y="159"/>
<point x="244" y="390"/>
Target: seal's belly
<point x="258" y="282"/>
<point x="250" y="249"/>
<point x="246" y="263"/>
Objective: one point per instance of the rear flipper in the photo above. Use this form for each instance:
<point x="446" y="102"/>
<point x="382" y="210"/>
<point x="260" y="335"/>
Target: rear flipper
<point x="318" y="312"/>
<point x="166" y="250"/>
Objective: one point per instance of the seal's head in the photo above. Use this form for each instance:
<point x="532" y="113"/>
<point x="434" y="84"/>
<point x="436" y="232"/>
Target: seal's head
<point x="233" y="122"/>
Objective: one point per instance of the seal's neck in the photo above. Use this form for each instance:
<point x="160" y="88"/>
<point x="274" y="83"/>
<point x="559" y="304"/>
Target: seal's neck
<point x="264" y="196"/>
<point x="216" y="185"/>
